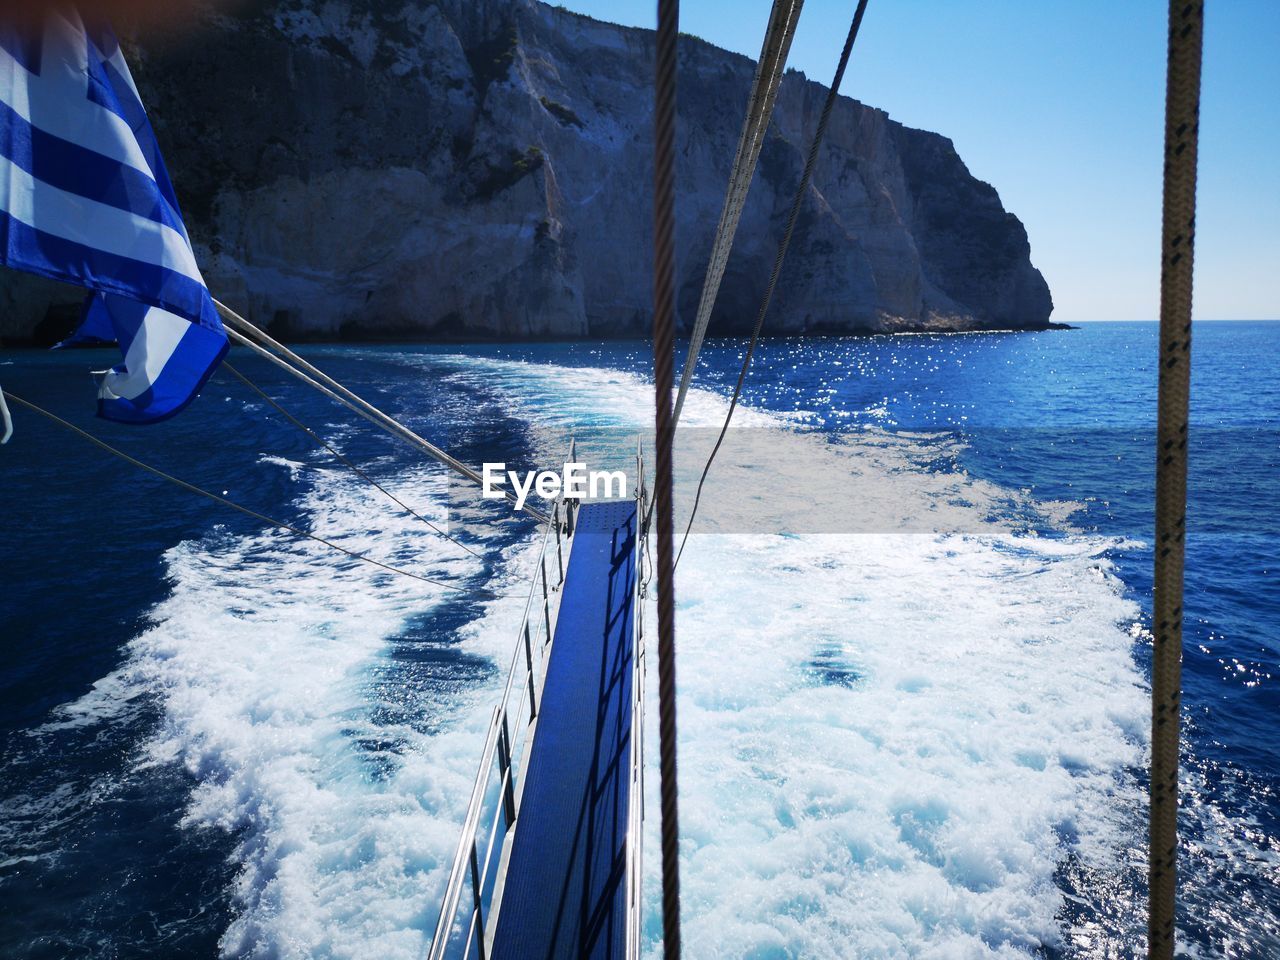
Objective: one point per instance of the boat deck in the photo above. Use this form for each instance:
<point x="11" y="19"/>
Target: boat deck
<point x="565" y="890"/>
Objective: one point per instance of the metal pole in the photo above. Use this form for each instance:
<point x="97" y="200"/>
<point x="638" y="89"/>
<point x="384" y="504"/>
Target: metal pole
<point x="475" y="892"/>
<point x="546" y="601"/>
<point x="504" y="771"/>
<point x="559" y="541"/>
<point x="528" y="659"/>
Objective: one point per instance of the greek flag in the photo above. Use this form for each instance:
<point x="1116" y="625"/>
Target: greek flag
<point x="85" y="198"/>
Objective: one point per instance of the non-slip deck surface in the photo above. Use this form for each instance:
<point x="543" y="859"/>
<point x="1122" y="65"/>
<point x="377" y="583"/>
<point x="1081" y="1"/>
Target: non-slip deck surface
<point x="565" y="893"/>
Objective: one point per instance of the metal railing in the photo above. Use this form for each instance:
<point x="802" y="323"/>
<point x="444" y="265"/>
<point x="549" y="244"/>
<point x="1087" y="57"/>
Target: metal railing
<point x="480" y="861"/>
<point x="635" y="809"/>
<point x="466" y="923"/>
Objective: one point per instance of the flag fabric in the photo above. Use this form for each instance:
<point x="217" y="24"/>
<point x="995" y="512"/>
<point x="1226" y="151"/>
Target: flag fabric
<point x="85" y="198"/>
<point x="93" y="330"/>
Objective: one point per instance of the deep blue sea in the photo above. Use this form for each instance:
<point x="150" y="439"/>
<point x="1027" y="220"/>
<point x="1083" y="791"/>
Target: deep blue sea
<point x="912" y="627"/>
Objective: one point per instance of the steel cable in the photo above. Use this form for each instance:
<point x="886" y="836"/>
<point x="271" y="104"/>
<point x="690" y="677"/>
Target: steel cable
<point x="243" y="332"/>
<point x="664" y="148"/>
<point x="797" y="202"/>
<point x="343" y="459"/>
<point x="216" y="498"/>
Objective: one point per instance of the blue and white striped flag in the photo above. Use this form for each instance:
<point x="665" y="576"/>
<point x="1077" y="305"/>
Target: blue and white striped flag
<point x="85" y="198"/>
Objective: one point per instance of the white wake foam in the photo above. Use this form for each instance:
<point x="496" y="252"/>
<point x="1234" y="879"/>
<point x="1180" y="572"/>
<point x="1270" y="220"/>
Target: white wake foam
<point x="270" y="658"/>
<point x="889" y="740"/>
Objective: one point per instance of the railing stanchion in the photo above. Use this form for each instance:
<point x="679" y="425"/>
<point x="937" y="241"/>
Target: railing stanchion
<point x="546" y="602"/>
<point x="475" y="892"/>
<point x="569" y="504"/>
<point x="555" y="518"/>
<point x="528" y="659"/>
<point x="504" y="769"/>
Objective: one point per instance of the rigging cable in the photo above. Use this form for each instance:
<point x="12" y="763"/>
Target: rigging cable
<point x="1181" y="136"/>
<point x="248" y="335"/>
<point x="664" y="308"/>
<point x="269" y="521"/>
<point x="832" y="95"/>
<point x="764" y="92"/>
<point x="343" y="459"/>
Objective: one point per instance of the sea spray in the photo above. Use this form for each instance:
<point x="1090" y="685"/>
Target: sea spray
<point x="892" y="739"/>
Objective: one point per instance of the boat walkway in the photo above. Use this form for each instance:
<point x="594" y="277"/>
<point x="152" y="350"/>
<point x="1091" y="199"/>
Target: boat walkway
<point x="565" y="890"/>
<point x="548" y="865"/>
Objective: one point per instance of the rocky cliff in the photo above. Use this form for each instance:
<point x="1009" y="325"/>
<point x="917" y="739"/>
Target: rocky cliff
<point x="393" y="168"/>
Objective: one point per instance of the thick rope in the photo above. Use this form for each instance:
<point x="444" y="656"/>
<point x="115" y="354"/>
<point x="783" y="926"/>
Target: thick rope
<point x="796" y="204"/>
<point x="343" y="459"/>
<point x="764" y="93"/>
<point x="664" y="309"/>
<point x="1181" y="134"/>
<point x="245" y="333"/>
<point x="269" y="521"/>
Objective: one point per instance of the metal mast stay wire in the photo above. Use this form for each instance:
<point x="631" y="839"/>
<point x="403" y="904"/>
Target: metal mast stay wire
<point x="343" y="459"/>
<point x="247" y="511"/>
<point x="262" y="343"/>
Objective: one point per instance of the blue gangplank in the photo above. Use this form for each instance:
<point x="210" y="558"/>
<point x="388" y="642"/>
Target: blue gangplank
<point x="565" y="889"/>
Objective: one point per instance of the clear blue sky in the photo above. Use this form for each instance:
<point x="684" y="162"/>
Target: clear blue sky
<point x="1060" y="106"/>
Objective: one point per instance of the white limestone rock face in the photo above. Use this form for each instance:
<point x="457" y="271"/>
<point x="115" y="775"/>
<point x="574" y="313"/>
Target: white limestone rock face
<point x="481" y="168"/>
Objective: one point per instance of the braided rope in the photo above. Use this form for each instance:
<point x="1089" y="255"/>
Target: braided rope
<point x="664" y="288"/>
<point x="764" y="93"/>
<point x="1181" y="132"/>
<point x="797" y="202"/>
